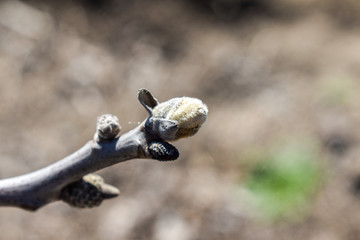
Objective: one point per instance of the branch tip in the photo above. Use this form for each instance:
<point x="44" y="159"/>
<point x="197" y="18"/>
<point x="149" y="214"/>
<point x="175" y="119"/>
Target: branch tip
<point x="69" y="179"/>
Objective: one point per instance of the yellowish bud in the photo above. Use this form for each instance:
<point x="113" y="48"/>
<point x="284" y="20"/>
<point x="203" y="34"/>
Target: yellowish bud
<point x="188" y="113"/>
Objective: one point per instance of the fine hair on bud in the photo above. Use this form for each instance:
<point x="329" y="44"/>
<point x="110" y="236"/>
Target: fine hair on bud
<point x="188" y="113"/>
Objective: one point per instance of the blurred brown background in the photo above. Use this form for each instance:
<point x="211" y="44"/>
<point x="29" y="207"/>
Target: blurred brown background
<point x="276" y="75"/>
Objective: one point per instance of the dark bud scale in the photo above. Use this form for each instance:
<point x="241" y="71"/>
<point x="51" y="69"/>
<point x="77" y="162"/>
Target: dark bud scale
<point x="163" y="151"/>
<point x="88" y="192"/>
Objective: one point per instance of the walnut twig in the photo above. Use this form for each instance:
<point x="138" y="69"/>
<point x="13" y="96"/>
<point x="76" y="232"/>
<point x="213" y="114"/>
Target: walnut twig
<point x="71" y="178"/>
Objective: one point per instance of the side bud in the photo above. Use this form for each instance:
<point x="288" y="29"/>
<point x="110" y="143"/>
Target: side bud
<point x="163" y="151"/>
<point x="88" y="192"/>
<point x="107" y="127"/>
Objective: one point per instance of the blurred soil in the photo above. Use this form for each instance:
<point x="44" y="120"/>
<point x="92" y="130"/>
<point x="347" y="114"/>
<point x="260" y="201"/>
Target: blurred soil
<point x="271" y="72"/>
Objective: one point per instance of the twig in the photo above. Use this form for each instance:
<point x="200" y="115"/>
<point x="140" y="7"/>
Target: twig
<point x="69" y="179"/>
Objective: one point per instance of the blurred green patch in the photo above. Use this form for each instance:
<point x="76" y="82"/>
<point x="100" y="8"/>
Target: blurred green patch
<point x="336" y="91"/>
<point x="282" y="181"/>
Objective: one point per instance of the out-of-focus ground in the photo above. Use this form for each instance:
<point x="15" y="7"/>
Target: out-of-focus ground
<point x="276" y="75"/>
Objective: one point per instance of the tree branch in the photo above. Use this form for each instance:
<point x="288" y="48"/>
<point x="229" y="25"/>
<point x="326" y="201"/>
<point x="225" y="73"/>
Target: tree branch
<point x="69" y="179"/>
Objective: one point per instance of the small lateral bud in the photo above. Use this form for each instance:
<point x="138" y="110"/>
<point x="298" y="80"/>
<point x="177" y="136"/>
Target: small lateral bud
<point x="88" y="192"/>
<point x="108" y="126"/>
<point x="163" y="151"/>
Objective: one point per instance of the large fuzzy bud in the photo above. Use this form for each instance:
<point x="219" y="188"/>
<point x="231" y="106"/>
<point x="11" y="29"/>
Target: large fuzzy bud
<point x="175" y="118"/>
<point x="188" y="114"/>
